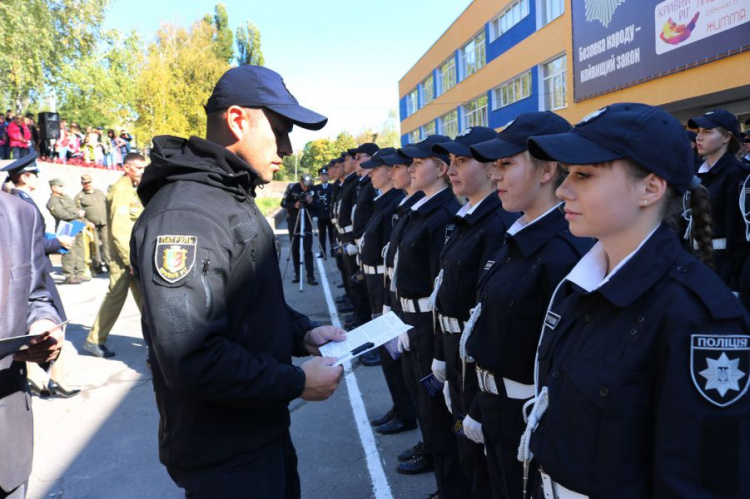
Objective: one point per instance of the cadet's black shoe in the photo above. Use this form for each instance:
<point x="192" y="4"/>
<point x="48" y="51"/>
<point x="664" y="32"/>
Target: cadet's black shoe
<point x="346" y="308"/>
<point x="394" y="426"/>
<point x="382" y="419"/>
<point x="295" y="280"/>
<point x="322" y="255"/>
<point x="57" y="390"/>
<point x="420" y="464"/>
<point x="370" y="359"/>
<point x="311" y="281"/>
<point x="98" y="350"/>
<point x="409" y="454"/>
<point x="340" y="286"/>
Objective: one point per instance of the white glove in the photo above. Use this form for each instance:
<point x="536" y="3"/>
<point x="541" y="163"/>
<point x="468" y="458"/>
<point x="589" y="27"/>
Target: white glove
<point x="447" y="395"/>
<point x="386" y="309"/>
<point x="351" y="249"/>
<point x="403" y="342"/>
<point x="473" y="430"/>
<point x="438" y="369"/>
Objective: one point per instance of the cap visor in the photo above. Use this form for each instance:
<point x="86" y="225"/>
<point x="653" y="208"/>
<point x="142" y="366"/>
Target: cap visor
<point x="300" y="116"/>
<point x="454" y="148"/>
<point x="20" y="162"/>
<point x="494" y="149"/>
<point x="572" y="148"/>
<point x="369" y="165"/>
<point x="701" y="122"/>
<point x="414" y="152"/>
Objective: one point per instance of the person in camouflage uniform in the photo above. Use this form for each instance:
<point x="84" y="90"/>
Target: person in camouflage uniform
<point x="63" y="208"/>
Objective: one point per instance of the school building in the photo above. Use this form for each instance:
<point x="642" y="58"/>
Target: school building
<point x="502" y="58"/>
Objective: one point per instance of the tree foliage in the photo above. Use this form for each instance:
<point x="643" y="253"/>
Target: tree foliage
<point x="222" y="38"/>
<point x="248" y="45"/>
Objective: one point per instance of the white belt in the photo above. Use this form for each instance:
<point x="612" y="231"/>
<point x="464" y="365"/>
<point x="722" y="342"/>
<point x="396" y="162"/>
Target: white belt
<point x="367" y="269"/>
<point x="553" y="490"/>
<point x="334" y="221"/>
<point x="514" y="389"/>
<point x="347" y="229"/>
<point x="415" y="306"/>
<point x="450" y="324"/>
<point x="718" y="244"/>
<point x="389" y="271"/>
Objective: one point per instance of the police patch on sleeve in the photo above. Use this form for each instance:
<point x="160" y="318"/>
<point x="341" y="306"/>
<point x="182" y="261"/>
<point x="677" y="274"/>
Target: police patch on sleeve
<point x="174" y="257"/>
<point x="719" y="366"/>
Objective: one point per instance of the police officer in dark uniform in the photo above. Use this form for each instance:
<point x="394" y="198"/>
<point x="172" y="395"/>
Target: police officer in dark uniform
<point x="347" y="197"/>
<point x="299" y="201"/>
<point x="219" y="332"/>
<point x="416" y="266"/>
<point x="643" y="363"/>
<point x="478" y="230"/>
<point x="514" y="288"/>
<point x="323" y="195"/>
<point x="336" y="172"/>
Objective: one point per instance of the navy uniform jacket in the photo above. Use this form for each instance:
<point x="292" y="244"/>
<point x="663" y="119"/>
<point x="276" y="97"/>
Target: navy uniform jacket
<point x="346" y="203"/>
<point x="294" y="193"/>
<point x="422" y="241"/>
<point x="723" y="182"/>
<point x="379" y="228"/>
<point x="399" y="219"/>
<point x="647" y="377"/>
<point x="514" y="290"/>
<point x="365" y="206"/>
<point x="323" y="197"/>
<point x="220" y="334"/>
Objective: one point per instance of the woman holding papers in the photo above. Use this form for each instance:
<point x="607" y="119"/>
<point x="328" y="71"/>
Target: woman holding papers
<point x="643" y="364"/>
<point x="514" y="288"/>
<point x="416" y="264"/>
<point x="480" y="227"/>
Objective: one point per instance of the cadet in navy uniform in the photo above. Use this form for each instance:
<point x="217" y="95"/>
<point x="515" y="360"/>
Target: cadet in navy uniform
<point x="336" y="171"/>
<point x="478" y="230"/>
<point x="722" y="173"/>
<point x="644" y="360"/>
<point x="417" y="264"/>
<point x="413" y="460"/>
<point x="299" y="199"/>
<point x="323" y="195"/>
<point x="514" y="289"/>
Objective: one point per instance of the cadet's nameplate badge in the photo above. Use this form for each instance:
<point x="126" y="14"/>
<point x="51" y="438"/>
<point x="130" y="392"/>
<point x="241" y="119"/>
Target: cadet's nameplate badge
<point x="720" y="366"/>
<point x="175" y="256"/>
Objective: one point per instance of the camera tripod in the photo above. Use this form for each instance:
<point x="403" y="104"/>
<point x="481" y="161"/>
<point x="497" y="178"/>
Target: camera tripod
<point x="303" y="216"/>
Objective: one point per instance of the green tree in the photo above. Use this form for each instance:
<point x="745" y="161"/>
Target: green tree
<point x="343" y="142"/>
<point x="222" y="39"/>
<point x="316" y="154"/>
<point x="248" y="45"/>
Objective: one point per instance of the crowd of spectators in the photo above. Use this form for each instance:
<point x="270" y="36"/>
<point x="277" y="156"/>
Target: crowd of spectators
<point x="92" y="147"/>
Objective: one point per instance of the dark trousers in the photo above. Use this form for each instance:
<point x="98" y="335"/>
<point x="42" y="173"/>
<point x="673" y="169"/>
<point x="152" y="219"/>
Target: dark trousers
<point x="19" y="152"/>
<point x="269" y="473"/>
<point x="342" y="270"/>
<point x="502" y="426"/>
<point x="325" y="232"/>
<point x="463" y="393"/>
<point x="436" y="423"/>
<point x="357" y="291"/>
<point x="307" y="240"/>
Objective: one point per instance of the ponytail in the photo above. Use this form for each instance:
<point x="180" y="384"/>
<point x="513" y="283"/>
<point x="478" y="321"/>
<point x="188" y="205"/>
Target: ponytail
<point x="702" y="226"/>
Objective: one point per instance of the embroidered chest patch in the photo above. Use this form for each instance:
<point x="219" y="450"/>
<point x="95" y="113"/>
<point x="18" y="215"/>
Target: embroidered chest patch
<point x="720" y="367"/>
<point x="174" y="257"/>
<point x="448" y="231"/>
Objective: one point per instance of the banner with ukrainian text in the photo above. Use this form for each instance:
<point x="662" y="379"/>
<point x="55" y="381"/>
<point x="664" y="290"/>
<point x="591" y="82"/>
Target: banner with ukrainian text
<point x="619" y="43"/>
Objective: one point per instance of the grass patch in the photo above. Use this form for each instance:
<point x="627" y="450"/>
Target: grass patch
<point x="267" y="204"/>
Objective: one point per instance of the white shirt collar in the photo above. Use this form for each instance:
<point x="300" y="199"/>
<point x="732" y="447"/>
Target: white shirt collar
<point x="521" y="222"/>
<point x="406" y="198"/>
<point x="590" y="273"/>
<point x="705" y="167"/>
<point x="424" y="200"/>
<point x="468" y="209"/>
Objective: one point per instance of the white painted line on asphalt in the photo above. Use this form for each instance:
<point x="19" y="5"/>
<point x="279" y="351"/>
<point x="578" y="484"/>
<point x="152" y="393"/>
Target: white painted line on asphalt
<point x="380" y="487"/>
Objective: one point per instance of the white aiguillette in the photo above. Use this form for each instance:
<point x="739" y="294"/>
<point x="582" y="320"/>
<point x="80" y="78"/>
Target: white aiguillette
<point x="365" y="338"/>
<point x="14" y="344"/>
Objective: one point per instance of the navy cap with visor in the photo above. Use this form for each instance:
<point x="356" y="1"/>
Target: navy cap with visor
<point x="377" y="158"/>
<point x="259" y="87"/>
<point x="367" y="148"/>
<point x="396" y="159"/>
<point x="423" y="149"/>
<point x="460" y="145"/>
<point x="716" y="118"/>
<point x="647" y="135"/>
<point x="22" y="165"/>
<point x="512" y="140"/>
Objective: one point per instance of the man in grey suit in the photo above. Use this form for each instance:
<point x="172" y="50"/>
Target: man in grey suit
<point x="25" y="308"/>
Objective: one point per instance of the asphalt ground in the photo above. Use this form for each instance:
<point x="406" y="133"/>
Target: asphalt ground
<point x="103" y="442"/>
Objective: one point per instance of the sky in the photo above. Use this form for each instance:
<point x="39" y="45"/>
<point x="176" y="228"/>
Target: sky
<point x="341" y="58"/>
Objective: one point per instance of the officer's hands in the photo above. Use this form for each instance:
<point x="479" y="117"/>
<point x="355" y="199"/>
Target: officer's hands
<point x="46" y="348"/>
<point x="473" y="430"/>
<point x="438" y="369"/>
<point x="321" y="335"/>
<point x="66" y="241"/>
<point x="321" y="378"/>
<point x="351" y="249"/>
<point x="447" y="396"/>
<point x="298" y="204"/>
<point x="403" y="342"/>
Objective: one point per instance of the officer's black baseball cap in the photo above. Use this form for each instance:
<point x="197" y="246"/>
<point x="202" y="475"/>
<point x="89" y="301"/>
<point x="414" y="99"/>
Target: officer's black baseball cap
<point x="338" y="160"/>
<point x="715" y="118"/>
<point x="259" y="87"/>
<point x="323" y="171"/>
<point x="460" y="145"/>
<point x="367" y="148"/>
<point x="512" y="140"/>
<point x="647" y="135"/>
<point x="22" y="165"/>
<point x="396" y="159"/>
<point x="424" y="149"/>
<point x="377" y="158"/>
